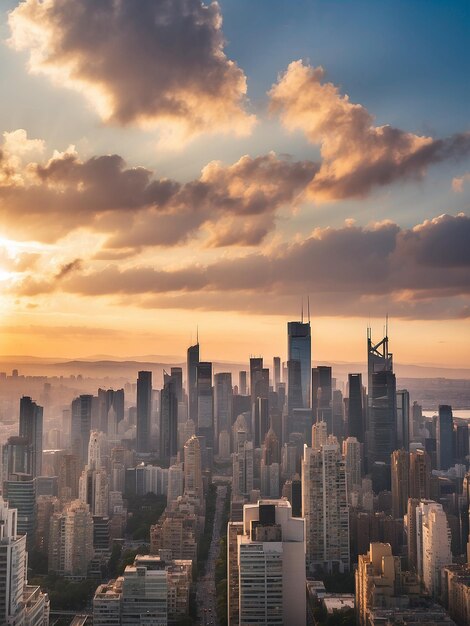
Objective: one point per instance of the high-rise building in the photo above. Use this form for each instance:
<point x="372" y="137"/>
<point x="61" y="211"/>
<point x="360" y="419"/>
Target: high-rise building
<point x="111" y="409"/>
<point x="276" y="372"/>
<point x="31" y="424"/>
<point x="16" y="457"/>
<point x="144" y="411"/>
<point x="222" y="405"/>
<point x="191" y="380"/>
<point x="382" y="411"/>
<point x="403" y="419"/>
<point x="169" y="419"/>
<point x="325" y="509"/>
<point x="322" y="395"/>
<point x="294" y="388"/>
<point x="444" y="437"/>
<point x="93" y="485"/>
<point x="71" y="540"/>
<point x="144" y="596"/>
<point x="20" y="604"/>
<point x="242" y="467"/>
<point x="299" y="348"/>
<point x="270" y="562"/>
<point x="352" y="460"/>
<point x="420" y="475"/>
<point x="81" y="427"/>
<point x="242" y="384"/>
<point x="356" y="423"/>
<point x="193" y="468"/>
<point x="68" y="477"/>
<point x="256" y="378"/>
<point x="433" y="544"/>
<point x="20" y="491"/>
<point x="175" y="482"/>
<point x="205" y="402"/>
<point x="400" y="483"/>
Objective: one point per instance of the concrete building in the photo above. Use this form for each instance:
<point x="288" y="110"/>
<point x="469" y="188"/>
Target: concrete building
<point x="352" y="460"/>
<point x="71" y="540"/>
<point x="271" y="566"/>
<point x="325" y="509"/>
<point x="193" y="468"/>
<point x="20" y="604"/>
<point x="433" y="541"/>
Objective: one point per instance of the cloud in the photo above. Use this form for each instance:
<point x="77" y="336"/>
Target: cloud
<point x="148" y="62"/>
<point x="68" y="268"/>
<point x="356" y="154"/>
<point x="233" y="204"/>
<point x="420" y="272"/>
<point x="459" y="181"/>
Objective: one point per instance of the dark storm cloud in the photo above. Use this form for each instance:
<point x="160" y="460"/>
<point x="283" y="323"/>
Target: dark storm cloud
<point x="157" y="61"/>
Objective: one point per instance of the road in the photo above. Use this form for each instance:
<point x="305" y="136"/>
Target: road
<point x="206" y="595"/>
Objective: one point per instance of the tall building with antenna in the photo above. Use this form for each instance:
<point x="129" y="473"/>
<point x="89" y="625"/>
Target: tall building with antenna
<point x="382" y="411"/>
<point x="299" y="349"/>
<point x="191" y="378"/>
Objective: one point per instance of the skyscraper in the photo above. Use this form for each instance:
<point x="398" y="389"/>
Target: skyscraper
<point x="81" y="427"/>
<point x="193" y="467"/>
<point x="205" y="402"/>
<point x="168" y="419"/>
<point x="71" y="540"/>
<point x="271" y="570"/>
<point x="144" y="410"/>
<point x="433" y="544"/>
<point x="256" y="377"/>
<point x="382" y="412"/>
<point x="299" y="349"/>
<point x="222" y="405"/>
<point x="276" y="372"/>
<point x="420" y="475"/>
<point x="325" y="508"/>
<point x="400" y="483"/>
<point x="444" y="436"/>
<point x="31" y="424"/>
<point x="403" y="419"/>
<point x="191" y="380"/>
<point x="356" y="425"/>
<point x="322" y="394"/>
<point x="19" y="603"/>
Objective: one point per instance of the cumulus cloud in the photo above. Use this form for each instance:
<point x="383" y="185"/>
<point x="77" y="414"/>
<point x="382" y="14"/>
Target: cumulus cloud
<point x="356" y="154"/>
<point x="233" y="204"/>
<point x="417" y="272"/>
<point x="147" y="62"/>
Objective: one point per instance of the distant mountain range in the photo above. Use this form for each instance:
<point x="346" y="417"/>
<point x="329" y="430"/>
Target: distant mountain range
<point x="100" y="366"/>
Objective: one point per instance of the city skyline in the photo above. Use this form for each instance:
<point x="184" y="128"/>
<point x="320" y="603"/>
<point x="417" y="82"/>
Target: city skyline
<point x="331" y="161"/>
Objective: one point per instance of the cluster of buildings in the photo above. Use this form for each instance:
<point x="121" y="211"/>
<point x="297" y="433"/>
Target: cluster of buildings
<point x="328" y="477"/>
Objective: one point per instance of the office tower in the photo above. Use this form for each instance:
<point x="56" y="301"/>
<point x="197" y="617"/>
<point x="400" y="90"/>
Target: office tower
<point x="322" y="394"/>
<point x="191" y="380"/>
<point x="222" y="405"/>
<point x="417" y="419"/>
<point x="411" y="534"/>
<point x="242" y="383"/>
<point x="168" y="419"/>
<point x="68" y="477"/>
<point x="381" y="584"/>
<point x="205" y="404"/>
<point x="144" y="410"/>
<point x="319" y="435"/>
<point x="93" y="485"/>
<point x="270" y="561"/>
<point x="71" y="540"/>
<point x="176" y="374"/>
<point x="16" y="457"/>
<point x="420" y="475"/>
<point x="276" y="372"/>
<point x="260" y="420"/>
<point x="81" y="427"/>
<point x="403" y="419"/>
<point x="356" y="422"/>
<point x="20" y="491"/>
<point x="461" y="441"/>
<point x="382" y="428"/>
<point x="175" y="482"/>
<point x="31" y="423"/>
<point x="299" y="349"/>
<point x="433" y="544"/>
<point x="256" y="378"/>
<point x="46" y="506"/>
<point x="352" y="460"/>
<point x="20" y="604"/>
<point x="270" y="466"/>
<point x="294" y="388"/>
<point x="400" y="487"/>
<point x="337" y="414"/>
<point x="193" y="468"/>
<point x="444" y="436"/>
<point x="325" y="509"/>
<point x="111" y="409"/>
<point x="242" y="467"/>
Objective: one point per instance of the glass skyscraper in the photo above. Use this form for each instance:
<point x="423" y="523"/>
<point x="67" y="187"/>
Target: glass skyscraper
<point x="299" y="349"/>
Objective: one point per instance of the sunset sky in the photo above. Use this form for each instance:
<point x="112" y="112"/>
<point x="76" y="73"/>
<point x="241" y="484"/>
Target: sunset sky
<point x="168" y="163"/>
